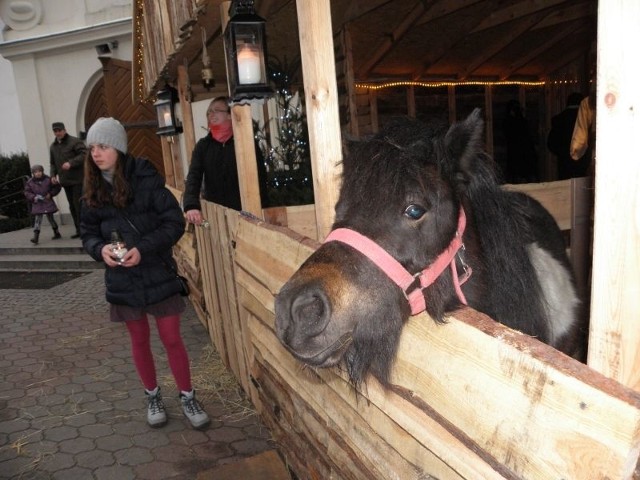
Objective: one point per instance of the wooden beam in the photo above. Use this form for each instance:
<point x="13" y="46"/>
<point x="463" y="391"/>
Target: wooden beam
<point x="433" y="55"/>
<point x="514" y="11"/>
<point x="514" y="31"/>
<point x="615" y="297"/>
<point x="321" y="94"/>
<point x="387" y="44"/>
<point x="550" y="43"/>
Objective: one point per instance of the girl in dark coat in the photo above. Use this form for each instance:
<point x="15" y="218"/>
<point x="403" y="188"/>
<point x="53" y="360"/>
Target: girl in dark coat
<point x="127" y="196"/>
<point x="40" y="191"/>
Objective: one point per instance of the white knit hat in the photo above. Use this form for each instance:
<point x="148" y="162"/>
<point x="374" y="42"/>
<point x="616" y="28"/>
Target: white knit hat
<point x="108" y="131"/>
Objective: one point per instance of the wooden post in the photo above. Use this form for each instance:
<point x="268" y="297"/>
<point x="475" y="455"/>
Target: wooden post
<point x="411" y="101"/>
<point x="451" y="97"/>
<point x="188" y="130"/>
<point x="244" y="146"/>
<point x="321" y="94"/>
<point x="373" y="109"/>
<point x="615" y="299"/>
<point x="349" y="78"/>
<point x="488" y="118"/>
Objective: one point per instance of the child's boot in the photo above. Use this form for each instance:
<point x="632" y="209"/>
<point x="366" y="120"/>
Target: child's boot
<point x="156" y="415"/>
<point x="56" y="234"/>
<point x="36" y="235"/>
<point x="193" y="410"/>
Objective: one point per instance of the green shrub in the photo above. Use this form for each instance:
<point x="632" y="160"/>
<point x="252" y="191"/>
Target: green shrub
<point x="14" y="171"/>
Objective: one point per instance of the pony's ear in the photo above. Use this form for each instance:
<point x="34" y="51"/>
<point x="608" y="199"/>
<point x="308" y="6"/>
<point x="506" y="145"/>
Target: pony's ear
<point x="463" y="141"/>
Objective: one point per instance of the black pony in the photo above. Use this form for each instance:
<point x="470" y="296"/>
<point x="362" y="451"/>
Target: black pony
<point x="426" y="196"/>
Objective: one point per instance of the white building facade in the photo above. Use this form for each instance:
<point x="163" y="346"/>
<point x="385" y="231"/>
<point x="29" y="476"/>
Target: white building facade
<point x="53" y="49"/>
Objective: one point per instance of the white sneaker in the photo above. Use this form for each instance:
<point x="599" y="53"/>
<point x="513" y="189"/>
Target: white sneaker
<point x="193" y="410"/>
<point x="156" y="415"/>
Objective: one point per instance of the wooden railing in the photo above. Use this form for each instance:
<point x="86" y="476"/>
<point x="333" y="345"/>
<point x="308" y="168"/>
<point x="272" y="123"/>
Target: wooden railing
<point x="469" y="399"/>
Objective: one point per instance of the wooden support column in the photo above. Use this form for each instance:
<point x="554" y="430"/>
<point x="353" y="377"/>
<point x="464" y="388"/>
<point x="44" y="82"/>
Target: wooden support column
<point x="188" y="130"/>
<point x="244" y="146"/>
<point x="349" y="79"/>
<point x="246" y="159"/>
<point x="321" y="94"/>
<point x="451" y="97"/>
<point x="614" y="343"/>
<point x="488" y="118"/>
<point x="373" y="109"/>
<point x="411" y="101"/>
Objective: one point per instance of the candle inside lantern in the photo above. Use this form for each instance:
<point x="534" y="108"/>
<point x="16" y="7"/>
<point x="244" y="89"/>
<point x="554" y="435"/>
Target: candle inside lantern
<point x="248" y="64"/>
<point x="167" y="118"/>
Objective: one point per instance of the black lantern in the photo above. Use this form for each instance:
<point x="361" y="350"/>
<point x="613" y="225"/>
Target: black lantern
<point x="245" y="45"/>
<point x="165" y="109"/>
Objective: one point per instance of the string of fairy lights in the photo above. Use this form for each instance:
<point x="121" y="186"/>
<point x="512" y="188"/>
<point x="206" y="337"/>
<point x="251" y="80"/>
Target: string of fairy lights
<point x="441" y="84"/>
<point x="138" y="31"/>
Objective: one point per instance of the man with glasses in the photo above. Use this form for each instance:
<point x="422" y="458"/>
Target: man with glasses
<point x="67" y="168"/>
<point x="214" y="161"/>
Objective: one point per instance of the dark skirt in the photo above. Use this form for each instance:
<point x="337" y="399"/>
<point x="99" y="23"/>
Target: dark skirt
<point x="173" y="305"/>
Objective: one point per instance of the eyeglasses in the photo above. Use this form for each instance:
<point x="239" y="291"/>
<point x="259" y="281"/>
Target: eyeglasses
<point x="57" y="129"/>
<point x="214" y="111"/>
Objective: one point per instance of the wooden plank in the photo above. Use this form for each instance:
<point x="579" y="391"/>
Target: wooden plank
<point x="521" y="397"/>
<point x="581" y="231"/>
<point x="615" y="305"/>
<point x="270" y="253"/>
<point x="236" y="327"/>
<point x="556" y="197"/>
<point x="302" y="219"/>
<point x="321" y="94"/>
<point x="226" y="289"/>
<point x="214" y="279"/>
<point x="361" y="451"/>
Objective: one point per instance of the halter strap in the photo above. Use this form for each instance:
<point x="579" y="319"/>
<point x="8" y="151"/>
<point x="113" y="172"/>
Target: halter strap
<point x="398" y="274"/>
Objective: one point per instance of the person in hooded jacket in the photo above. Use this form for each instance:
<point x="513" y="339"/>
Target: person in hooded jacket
<point x="39" y="192"/>
<point x="126" y="197"/>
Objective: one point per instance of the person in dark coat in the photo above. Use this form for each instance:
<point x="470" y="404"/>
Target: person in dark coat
<point x="126" y="197"/>
<point x="67" y="161"/>
<point x="39" y="191"/>
<point x="213" y="170"/>
<point x="522" y="159"/>
<point x="559" y="140"/>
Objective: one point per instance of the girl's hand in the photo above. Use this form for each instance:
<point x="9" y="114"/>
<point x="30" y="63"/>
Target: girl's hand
<point x="107" y="256"/>
<point x="131" y="258"/>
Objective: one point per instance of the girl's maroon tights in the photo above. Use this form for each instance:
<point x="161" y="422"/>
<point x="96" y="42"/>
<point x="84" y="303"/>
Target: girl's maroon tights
<point x="169" y="331"/>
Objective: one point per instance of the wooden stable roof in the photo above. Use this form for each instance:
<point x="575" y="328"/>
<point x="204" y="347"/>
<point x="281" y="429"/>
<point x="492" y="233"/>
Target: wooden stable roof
<point x="391" y="40"/>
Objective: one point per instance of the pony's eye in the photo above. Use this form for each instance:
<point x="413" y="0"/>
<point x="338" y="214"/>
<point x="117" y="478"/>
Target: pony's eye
<point x="414" y="212"/>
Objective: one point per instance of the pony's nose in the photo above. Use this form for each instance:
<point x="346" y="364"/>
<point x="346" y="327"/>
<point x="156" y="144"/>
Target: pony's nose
<point x="302" y="316"/>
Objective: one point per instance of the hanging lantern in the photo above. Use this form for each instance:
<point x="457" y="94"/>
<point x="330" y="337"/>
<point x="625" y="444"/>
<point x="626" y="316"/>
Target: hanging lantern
<point x="165" y="110"/>
<point x="246" y="53"/>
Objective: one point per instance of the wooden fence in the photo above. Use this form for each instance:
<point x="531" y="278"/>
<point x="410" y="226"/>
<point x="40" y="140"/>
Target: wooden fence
<point x="469" y="399"/>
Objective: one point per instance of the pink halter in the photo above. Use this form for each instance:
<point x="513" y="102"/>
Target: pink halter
<point x="396" y="272"/>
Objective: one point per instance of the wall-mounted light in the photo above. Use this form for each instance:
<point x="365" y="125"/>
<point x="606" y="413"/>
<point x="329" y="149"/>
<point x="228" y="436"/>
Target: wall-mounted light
<point x="106" y="48"/>
<point x="245" y="45"/>
<point x="165" y="110"/>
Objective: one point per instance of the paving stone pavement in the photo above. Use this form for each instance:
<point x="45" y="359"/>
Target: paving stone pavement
<point x="71" y="404"/>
